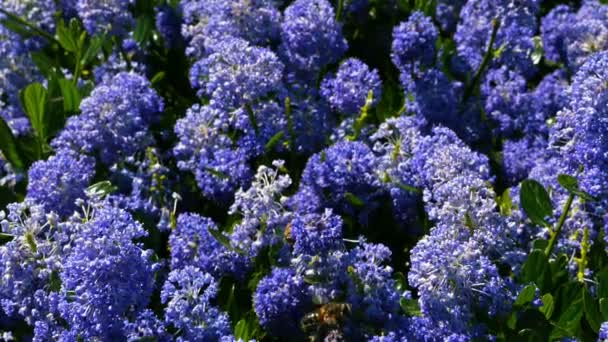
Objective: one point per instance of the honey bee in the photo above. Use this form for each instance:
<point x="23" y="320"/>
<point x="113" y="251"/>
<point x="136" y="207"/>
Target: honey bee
<point x="287" y="234"/>
<point x="326" y="318"/>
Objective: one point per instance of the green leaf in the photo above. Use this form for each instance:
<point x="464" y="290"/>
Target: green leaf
<point x="571" y="184"/>
<point x="592" y="311"/>
<point x="532" y="326"/>
<point x="100" y="189"/>
<point x="8" y="145"/>
<point x="526" y="295"/>
<point x="536" y="270"/>
<point x="604" y="308"/>
<point x="71" y="96"/>
<point x="505" y="203"/>
<point x="273" y="141"/>
<point x="159" y="76"/>
<point x="410" y="307"/>
<point x="354" y="200"/>
<point x="540" y="244"/>
<point x="43" y="62"/>
<point x="535" y="201"/>
<point x="143" y="28"/>
<point x="6" y="238"/>
<point x="17" y="27"/>
<point x="548" y="305"/>
<point x="34" y="104"/>
<point x="248" y="328"/>
<point x="568" y="182"/>
<point x="569" y="322"/>
<point x="93" y="49"/>
<point x="602" y="279"/>
<point x="66" y="37"/>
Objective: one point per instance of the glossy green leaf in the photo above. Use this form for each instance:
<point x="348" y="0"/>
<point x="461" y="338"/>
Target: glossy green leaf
<point x="66" y="37"/>
<point x="526" y="295"/>
<point x="536" y="270"/>
<point x="410" y="307"/>
<point x="535" y="201"/>
<point x="5" y="238"/>
<point x="505" y="203"/>
<point x="354" y="200"/>
<point x="34" y="104"/>
<point x="8" y="145"/>
<point x="548" y="305"/>
<point x="604" y="308"/>
<point x="71" y="96"/>
<point x="571" y="184"/>
<point x="592" y="311"/>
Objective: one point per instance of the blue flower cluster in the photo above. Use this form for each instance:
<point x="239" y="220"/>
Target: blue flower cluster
<point x="348" y="170"/>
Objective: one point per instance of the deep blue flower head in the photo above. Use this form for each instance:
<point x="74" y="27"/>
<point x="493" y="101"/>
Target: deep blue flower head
<point x="554" y="29"/>
<point x="376" y="293"/>
<point x="414" y="41"/>
<point x="110" y="17"/>
<point x="585" y="38"/>
<point x="454" y="278"/>
<point x="188" y="295"/>
<point x="280" y="301"/>
<point x="342" y="177"/>
<point x="312" y="123"/>
<point x="27" y="262"/>
<point x="207" y="22"/>
<point x="347" y="90"/>
<point x="447" y="13"/>
<point x="432" y="96"/>
<point x="144" y="185"/>
<point x="508" y="103"/>
<point x="588" y="34"/>
<point x="168" y="24"/>
<point x="310" y="36"/>
<point x="237" y="73"/>
<point x="191" y="244"/>
<point x="590" y="125"/>
<point x="517" y="28"/>
<point x="56" y="183"/>
<point x="394" y="142"/>
<point x="114" y="119"/>
<point x="206" y="151"/>
<point x="520" y="156"/>
<point x="261" y="207"/>
<point x="146" y="326"/>
<point x="316" y="233"/>
<point x="106" y="275"/>
<point x="552" y="94"/>
<point x="442" y="156"/>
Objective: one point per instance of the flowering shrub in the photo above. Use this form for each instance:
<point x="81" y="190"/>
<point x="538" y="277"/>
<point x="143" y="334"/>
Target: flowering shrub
<point x="292" y="170"/>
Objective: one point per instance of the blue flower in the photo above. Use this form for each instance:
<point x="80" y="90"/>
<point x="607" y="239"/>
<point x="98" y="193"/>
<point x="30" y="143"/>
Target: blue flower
<point x="310" y="37"/>
<point x="114" y="120"/>
<point x="58" y="182"/>
<point x="347" y="90"/>
<point x="106" y="276"/>
<point x="188" y="295"/>
<point x="280" y="301"/>
<point x="112" y="16"/>
<point x="414" y="42"/>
